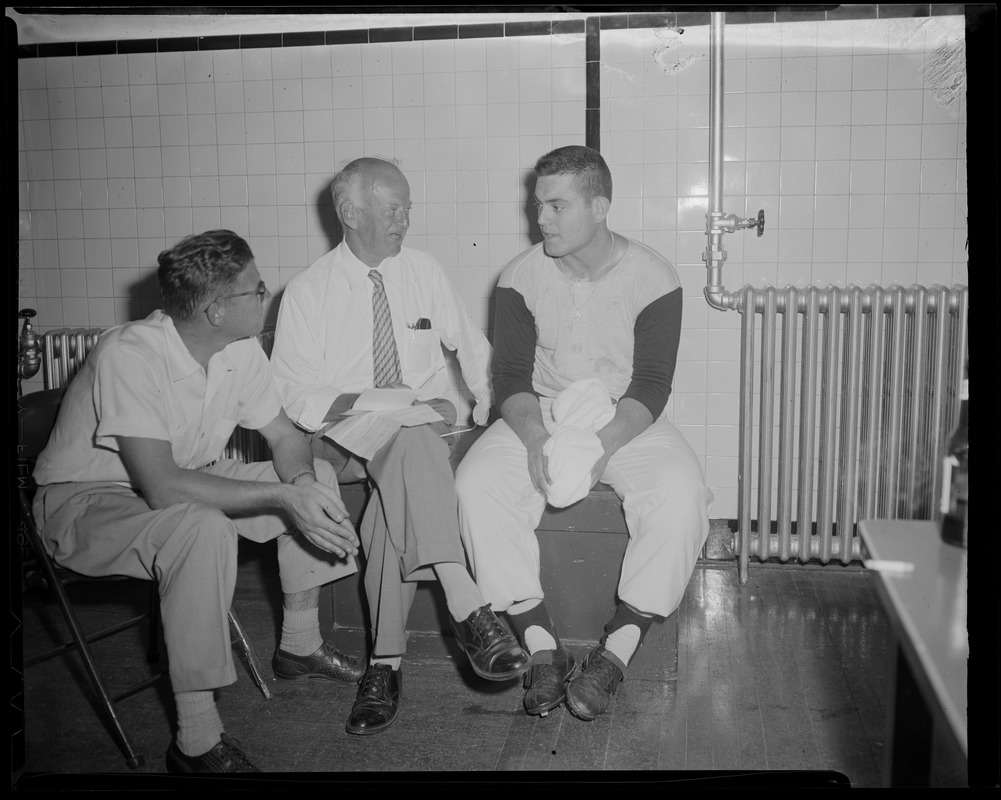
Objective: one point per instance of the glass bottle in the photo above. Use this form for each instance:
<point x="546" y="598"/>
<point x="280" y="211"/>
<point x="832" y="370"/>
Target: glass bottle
<point x="956" y="473"/>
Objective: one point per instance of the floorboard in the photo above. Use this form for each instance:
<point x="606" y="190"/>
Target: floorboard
<point x="786" y="672"/>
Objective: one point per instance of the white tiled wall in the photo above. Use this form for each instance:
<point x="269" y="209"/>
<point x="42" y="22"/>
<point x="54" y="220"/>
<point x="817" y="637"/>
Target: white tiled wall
<point x="832" y="128"/>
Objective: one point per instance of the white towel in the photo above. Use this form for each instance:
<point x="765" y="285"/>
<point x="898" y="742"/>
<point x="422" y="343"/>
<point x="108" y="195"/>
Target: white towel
<point x="573" y="448"/>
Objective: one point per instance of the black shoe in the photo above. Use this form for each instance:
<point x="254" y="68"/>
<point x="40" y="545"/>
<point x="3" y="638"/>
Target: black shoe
<point x="590" y="692"/>
<point x="378" y="702"/>
<point x="493" y="652"/>
<point x="326" y="663"/>
<point x="224" y="757"/>
<point x="546" y="681"/>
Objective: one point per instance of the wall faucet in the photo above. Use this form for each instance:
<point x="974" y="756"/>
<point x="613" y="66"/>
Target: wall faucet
<point x="29" y="356"/>
<point x="728" y="223"/>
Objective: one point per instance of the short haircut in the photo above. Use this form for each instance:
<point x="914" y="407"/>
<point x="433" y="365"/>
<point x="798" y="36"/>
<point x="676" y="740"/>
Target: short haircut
<point x="200" y="267"/>
<point x="591" y="175"/>
<point x="344" y="186"/>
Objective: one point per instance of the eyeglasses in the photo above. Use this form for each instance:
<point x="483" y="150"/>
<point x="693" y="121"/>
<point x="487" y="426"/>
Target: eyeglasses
<point x="260" y="291"/>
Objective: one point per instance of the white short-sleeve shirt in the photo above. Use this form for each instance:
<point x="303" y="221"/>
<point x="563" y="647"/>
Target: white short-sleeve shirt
<point x="141" y="381"/>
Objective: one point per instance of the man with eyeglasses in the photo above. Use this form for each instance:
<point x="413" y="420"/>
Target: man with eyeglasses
<point x="132" y="482"/>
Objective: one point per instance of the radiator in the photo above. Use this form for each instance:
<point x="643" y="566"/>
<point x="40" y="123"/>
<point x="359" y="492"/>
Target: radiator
<point x="847" y="396"/>
<point x="65" y="350"/>
<point x="63" y="353"/>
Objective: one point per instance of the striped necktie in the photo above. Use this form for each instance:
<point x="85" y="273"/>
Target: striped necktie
<point x="385" y="359"/>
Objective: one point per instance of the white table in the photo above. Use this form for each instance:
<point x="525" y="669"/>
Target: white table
<point x="930" y="648"/>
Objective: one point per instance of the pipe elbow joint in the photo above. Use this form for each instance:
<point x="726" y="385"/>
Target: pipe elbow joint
<point x="719" y="298"/>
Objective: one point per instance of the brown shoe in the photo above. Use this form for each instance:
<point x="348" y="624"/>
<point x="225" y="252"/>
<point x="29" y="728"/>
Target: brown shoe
<point x="325" y="664"/>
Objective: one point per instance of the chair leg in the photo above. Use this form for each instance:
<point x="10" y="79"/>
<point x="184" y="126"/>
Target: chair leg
<point x="246" y="647"/>
<point x="153" y="645"/>
<point x="132" y="758"/>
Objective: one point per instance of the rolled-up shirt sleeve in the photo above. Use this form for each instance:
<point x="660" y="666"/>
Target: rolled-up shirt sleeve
<point x="514" y="345"/>
<point x="657" y="333"/>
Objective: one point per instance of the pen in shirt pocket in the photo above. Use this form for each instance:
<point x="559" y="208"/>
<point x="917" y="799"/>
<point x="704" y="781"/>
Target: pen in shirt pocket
<point x="423" y="324"/>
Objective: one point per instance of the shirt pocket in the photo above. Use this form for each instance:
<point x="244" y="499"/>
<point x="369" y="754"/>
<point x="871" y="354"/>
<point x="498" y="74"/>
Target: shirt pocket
<point x="423" y="349"/>
<point x="212" y="443"/>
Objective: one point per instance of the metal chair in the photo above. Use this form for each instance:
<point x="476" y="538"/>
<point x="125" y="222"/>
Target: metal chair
<point x="36" y="417"/>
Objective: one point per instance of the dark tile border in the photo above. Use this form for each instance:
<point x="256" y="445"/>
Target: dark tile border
<point x="381" y="35"/>
<point x="745" y="15"/>
<point x="435" y="32"/>
<point x="542" y="27"/>
<point x="591" y="27"/>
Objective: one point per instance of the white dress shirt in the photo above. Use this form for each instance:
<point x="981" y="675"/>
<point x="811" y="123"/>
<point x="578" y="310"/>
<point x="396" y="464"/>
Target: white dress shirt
<point x="323" y="340"/>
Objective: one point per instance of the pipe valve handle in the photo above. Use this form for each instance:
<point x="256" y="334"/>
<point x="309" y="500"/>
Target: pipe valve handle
<point x="761" y="221"/>
<point x="27" y="313"/>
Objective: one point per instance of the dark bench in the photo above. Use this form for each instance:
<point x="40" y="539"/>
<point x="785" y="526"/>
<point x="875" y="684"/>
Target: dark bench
<point x="581" y="549"/>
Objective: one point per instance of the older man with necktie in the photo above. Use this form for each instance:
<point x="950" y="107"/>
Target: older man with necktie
<point x="372" y="313"/>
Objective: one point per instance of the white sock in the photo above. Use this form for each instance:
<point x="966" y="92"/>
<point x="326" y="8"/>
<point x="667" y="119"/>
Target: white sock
<point x="622" y="642"/>
<point x="462" y="595"/>
<point x="199" y="727"/>
<point x="538" y="638"/>
<point x="301" y="632"/>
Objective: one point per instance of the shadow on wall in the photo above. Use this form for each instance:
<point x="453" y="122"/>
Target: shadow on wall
<point x="534" y="236"/>
<point x="332" y="230"/>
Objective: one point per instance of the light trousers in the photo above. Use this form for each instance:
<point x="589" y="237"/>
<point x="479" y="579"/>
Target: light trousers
<point x="190" y="549"/>
<point x="664" y="497"/>
<point x="409" y="524"/>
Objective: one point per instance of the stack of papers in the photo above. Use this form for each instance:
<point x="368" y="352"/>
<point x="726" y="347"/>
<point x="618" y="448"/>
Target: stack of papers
<point x="376" y="417"/>
<point x="382" y="400"/>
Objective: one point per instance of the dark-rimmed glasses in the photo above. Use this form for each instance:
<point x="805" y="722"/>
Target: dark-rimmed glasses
<point x="260" y="291"/>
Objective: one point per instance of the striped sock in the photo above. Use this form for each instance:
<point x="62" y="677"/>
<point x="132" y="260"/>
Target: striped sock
<point x="535" y="628"/>
<point x="624" y="632"/>
<point x="622" y="643"/>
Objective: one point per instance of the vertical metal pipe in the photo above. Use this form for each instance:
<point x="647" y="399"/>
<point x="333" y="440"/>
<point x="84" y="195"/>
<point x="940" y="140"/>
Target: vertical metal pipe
<point x="744" y="470"/>
<point x="716" y="294"/>
<point x="716" y="116"/>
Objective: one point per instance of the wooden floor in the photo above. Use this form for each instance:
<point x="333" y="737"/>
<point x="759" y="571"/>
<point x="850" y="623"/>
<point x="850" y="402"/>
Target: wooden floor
<point x="788" y="672"/>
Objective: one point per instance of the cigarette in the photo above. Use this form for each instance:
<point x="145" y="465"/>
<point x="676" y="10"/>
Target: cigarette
<point x="888" y="566"/>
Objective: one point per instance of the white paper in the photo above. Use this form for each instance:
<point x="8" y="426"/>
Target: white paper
<point x="382" y="400"/>
<point x="364" y="434"/>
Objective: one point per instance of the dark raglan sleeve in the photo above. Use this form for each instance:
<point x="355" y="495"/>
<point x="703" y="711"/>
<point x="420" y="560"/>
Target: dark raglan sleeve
<point x="656" y="335"/>
<point x="514" y="345"/>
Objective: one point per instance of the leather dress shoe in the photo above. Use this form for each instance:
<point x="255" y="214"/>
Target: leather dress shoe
<point x="224" y="757"/>
<point x="493" y="652"/>
<point x="378" y="702"/>
<point x="589" y="694"/>
<point x="325" y="664"/>
<point x="546" y="681"/>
